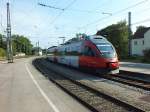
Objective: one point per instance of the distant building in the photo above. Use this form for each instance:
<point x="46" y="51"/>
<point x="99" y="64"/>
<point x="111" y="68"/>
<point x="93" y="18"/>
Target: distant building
<point x="140" y="41"/>
<point x="37" y="51"/>
<point x="20" y="54"/>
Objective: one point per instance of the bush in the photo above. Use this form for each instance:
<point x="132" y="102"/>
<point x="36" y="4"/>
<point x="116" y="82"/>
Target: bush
<point x="146" y="53"/>
<point x="2" y="52"/>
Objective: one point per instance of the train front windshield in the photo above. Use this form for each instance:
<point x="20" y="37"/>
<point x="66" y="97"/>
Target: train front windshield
<point x="107" y="51"/>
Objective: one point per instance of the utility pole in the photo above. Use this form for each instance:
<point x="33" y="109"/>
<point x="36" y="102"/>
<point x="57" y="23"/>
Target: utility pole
<point x="129" y="34"/>
<point x="9" y="40"/>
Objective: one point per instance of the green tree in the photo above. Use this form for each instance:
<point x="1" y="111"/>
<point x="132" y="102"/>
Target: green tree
<point x="140" y="28"/>
<point x="2" y="52"/>
<point x="21" y="44"/>
<point x="2" y="46"/>
<point x="2" y="41"/>
<point x="117" y="34"/>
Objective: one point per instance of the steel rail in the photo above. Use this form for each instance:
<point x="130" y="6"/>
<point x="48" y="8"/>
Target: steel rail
<point x="131" y="81"/>
<point x="88" y="103"/>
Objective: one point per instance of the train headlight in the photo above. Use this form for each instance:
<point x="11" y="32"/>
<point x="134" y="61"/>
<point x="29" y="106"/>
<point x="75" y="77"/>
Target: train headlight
<point x="113" y="65"/>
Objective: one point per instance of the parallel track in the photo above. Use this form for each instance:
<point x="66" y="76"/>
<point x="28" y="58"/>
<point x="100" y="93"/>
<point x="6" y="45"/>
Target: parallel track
<point x="132" y="81"/>
<point x="91" y="98"/>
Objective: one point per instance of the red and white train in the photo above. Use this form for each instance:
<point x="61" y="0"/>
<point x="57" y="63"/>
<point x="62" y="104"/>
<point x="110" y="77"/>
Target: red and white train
<point x="91" y="52"/>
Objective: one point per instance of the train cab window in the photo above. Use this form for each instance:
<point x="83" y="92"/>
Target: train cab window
<point x="107" y="51"/>
<point x="89" y="52"/>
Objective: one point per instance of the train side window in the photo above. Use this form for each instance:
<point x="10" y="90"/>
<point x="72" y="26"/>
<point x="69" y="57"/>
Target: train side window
<point x="89" y="52"/>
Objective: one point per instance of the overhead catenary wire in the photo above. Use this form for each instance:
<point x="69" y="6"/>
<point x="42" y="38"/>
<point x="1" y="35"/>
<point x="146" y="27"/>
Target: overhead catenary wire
<point x="142" y="21"/>
<point x="132" y="6"/>
<point x="88" y="11"/>
<point x="74" y="10"/>
<point x="62" y="10"/>
<point x="139" y="12"/>
<point x="84" y="11"/>
<point x="91" y="11"/>
<point x="69" y="5"/>
<point x="115" y="13"/>
<point x="121" y="28"/>
<point x="50" y="6"/>
<point x="133" y="24"/>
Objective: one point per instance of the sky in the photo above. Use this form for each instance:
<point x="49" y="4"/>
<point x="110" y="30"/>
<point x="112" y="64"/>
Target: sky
<point x="46" y="25"/>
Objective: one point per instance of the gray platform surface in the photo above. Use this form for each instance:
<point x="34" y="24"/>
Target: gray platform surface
<point x="24" y="89"/>
<point x="135" y="67"/>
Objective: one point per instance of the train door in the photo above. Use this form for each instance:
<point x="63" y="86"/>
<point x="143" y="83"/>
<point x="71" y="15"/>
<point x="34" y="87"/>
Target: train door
<point x="88" y="58"/>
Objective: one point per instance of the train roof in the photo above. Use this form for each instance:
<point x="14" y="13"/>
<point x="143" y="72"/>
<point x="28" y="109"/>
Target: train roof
<point x="52" y="47"/>
<point x="98" y="39"/>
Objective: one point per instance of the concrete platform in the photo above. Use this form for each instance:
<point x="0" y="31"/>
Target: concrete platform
<point x="135" y="67"/>
<point x="24" y="89"/>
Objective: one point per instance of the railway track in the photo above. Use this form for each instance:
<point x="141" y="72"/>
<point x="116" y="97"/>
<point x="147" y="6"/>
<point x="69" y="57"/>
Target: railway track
<point x="91" y="98"/>
<point x="132" y="81"/>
